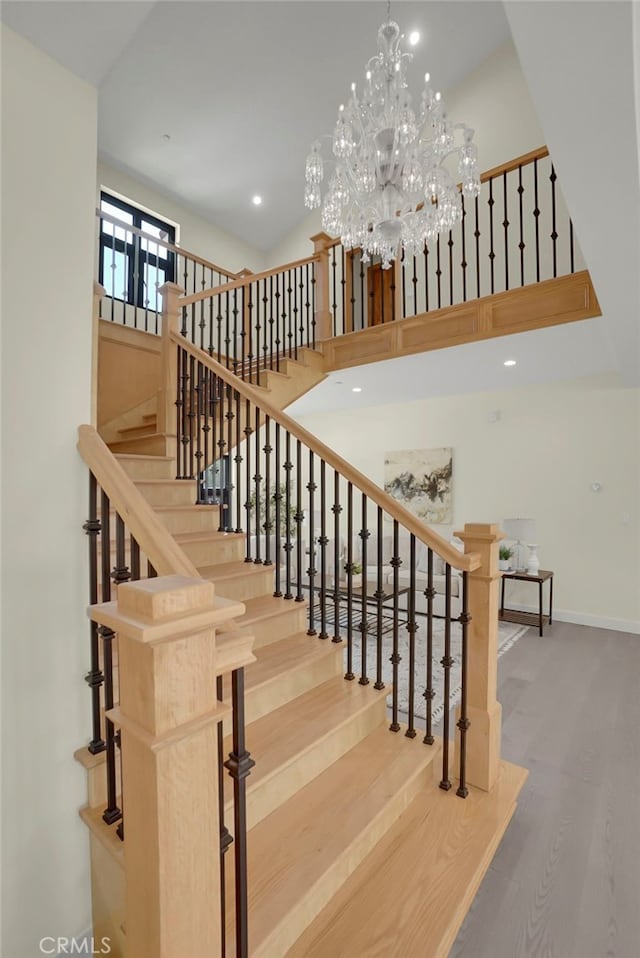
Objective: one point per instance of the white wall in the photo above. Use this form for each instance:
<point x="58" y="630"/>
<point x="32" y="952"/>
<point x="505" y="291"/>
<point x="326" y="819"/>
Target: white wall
<point x="539" y="459"/>
<point x="196" y="234"/>
<point x="48" y="188"/>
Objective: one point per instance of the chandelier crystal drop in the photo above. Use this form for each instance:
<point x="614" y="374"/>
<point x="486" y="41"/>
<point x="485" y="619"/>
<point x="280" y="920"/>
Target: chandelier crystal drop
<point x="390" y="189"/>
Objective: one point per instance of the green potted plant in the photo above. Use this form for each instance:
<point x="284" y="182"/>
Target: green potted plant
<point x="504" y="557"/>
<point x="356" y="573"/>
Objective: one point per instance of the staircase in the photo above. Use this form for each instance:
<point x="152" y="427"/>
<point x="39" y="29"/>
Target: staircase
<point x="348" y="831"/>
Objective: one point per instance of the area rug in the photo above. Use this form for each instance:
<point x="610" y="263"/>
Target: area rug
<point x="508" y="635"/>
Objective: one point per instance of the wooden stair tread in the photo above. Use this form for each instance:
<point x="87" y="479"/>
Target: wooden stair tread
<point x="231" y="570"/>
<point x="409" y="897"/>
<point x="143" y="457"/>
<point x="278" y="739"/>
<point x="312" y="842"/>
<point x="265" y="606"/>
<point x="209" y="536"/>
<point x="163" y="482"/>
<point x="186" y="508"/>
<point x="293" y="652"/>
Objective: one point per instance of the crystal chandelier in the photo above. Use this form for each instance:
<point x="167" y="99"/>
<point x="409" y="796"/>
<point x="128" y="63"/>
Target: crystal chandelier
<point x="390" y="189"/>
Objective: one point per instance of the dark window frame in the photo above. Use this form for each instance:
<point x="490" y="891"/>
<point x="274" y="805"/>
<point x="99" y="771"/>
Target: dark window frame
<point x="136" y="258"/>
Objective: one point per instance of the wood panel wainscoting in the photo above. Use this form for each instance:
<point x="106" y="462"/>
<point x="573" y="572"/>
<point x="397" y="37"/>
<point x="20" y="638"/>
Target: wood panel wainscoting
<point x="549" y="303"/>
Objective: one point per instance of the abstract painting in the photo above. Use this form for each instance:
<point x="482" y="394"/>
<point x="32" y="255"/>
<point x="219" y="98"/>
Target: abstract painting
<point x="421" y="480"/>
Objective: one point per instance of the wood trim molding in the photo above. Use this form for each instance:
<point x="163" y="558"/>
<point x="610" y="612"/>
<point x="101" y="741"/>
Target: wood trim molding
<point x="423" y="533"/>
<point x="566" y="299"/>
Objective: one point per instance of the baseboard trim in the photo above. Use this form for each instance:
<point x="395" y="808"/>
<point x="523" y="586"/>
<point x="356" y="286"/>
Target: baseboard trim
<point x="583" y="618"/>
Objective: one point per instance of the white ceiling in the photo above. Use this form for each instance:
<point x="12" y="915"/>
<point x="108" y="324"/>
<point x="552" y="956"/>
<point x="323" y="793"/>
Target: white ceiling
<point x="244" y="87"/>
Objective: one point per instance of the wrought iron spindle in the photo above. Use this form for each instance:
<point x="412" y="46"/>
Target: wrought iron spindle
<point x="227" y="331"/>
<point x="379" y="596"/>
<point x="269" y="351"/>
<point x="191" y="415"/>
<point x="521" y="244"/>
<point x="247" y="479"/>
<point x="429" y="693"/>
<point x="438" y="270"/>
<point x="336" y="510"/>
<point x="238" y="459"/>
<point x="268" y="525"/>
<point x="395" y="659"/>
<point x="476" y="234"/>
<point x="288" y="546"/>
<point x="349" y="570"/>
<point x="571" y="250"/>
<point x="278" y="340"/>
<point x="120" y="826"/>
<point x="426" y="281"/>
<point x="554" y="233"/>
<point x="463" y="263"/>
<point x="206" y="426"/>
<point x="334" y="304"/>
<point x="536" y="216"/>
<point x="94" y="678"/>
<point x="292" y="332"/>
<point x="239" y="765"/>
<point x="364" y="536"/>
<point x="120" y="572"/>
<point x="323" y="542"/>
<point x="257" y="487"/>
<point x="219" y="323"/>
<point x="446" y="663"/>
<point x="199" y="390"/>
<point x="311" y="571"/>
<point x="299" y="518"/>
<point x="450" y="245"/>
<point x="463" y="720"/>
<point x="412" y="628"/>
<point x="135" y="559"/>
<point x="492" y="254"/>
<point x="112" y="812"/>
<point x="222" y="445"/>
<point x="278" y="509"/>
<point x="505" y="224"/>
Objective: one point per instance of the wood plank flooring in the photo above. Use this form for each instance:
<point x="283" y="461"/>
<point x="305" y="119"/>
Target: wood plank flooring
<point x="565" y="882"/>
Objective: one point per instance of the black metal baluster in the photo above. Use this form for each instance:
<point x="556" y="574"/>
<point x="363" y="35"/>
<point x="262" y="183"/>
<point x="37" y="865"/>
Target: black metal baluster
<point x="463" y="720"/>
<point x="446" y="663"/>
<point x="463" y="263"/>
<point x="334" y="304"/>
<point x="202" y="324"/>
<point x="412" y="628"/>
<point x="404" y="283"/>
<point x="206" y="428"/>
<point x="379" y="596"/>
<point x="112" y="812"/>
<point x="298" y="307"/>
<point x="311" y="340"/>
<point x="268" y="525"/>
<point x="135" y="559"/>
<point x="536" y="216"/>
<point x="343" y="283"/>
<point x="292" y="335"/>
<point x="286" y="320"/>
<point x="571" y="250"/>
<point x="191" y="415"/>
<point x="235" y="332"/>
<point x="505" y="224"/>
<point x="219" y="330"/>
<point x="181" y="416"/>
<point x="323" y="542"/>
<point x="311" y="571"/>
<point x="271" y="323"/>
<point x="239" y="765"/>
<point x="438" y="270"/>
<point x="450" y="245"/>
<point x="277" y="498"/>
<point x="278" y="340"/>
<point x="298" y="519"/>
<point x="120" y="572"/>
<point x="94" y="678"/>
<point x="183" y="322"/>
<point x="288" y="546"/>
<point x="429" y="693"/>
<point x="222" y="444"/>
<point x="247" y="479"/>
<point x="259" y="357"/>
<point x="492" y="254"/>
<point x="476" y="233"/>
<point x="227" y="332"/>
<point x="395" y="659"/>
<point x="364" y="536"/>
<point x="349" y="570"/>
<point x="225" y="836"/>
<point x="554" y="234"/>
<point x="229" y="416"/>
<point x="118" y="742"/>
<point x="362" y="299"/>
<point x="238" y="459"/>
<point x="211" y="347"/>
<point x="151" y="572"/>
<point x="521" y="244"/>
<point x="249" y="320"/>
<point x="199" y="397"/>
<point x="113" y="275"/>
<point x="257" y="486"/>
<point x="426" y="281"/>
<point x="336" y="510"/>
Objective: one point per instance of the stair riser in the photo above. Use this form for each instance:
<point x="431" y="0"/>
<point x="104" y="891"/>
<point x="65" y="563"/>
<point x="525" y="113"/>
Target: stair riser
<point x="136" y="432"/>
<point x="143" y="446"/>
<point x="148" y="468"/>
<point x="179" y="492"/>
<point x="197" y="519"/>
<point x="214" y="551"/>
<point x="245" y="587"/>
<point x="319" y="894"/>
<point x="293" y="619"/>
<point x="270" y="793"/>
<point x="285" y="687"/>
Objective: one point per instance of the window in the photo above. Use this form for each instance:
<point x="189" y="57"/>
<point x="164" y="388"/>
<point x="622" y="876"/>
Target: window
<point x="133" y="267"/>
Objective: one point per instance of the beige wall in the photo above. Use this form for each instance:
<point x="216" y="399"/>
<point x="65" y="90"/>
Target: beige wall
<point x="196" y="234"/>
<point x="48" y="190"/>
<point x="539" y="459"/>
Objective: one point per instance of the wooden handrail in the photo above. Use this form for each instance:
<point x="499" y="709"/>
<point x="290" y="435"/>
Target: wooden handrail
<point x="246" y="280"/>
<point x="178" y="250"/>
<point x="455" y="558"/>
<point x="143" y="523"/>
<point x="511" y="165"/>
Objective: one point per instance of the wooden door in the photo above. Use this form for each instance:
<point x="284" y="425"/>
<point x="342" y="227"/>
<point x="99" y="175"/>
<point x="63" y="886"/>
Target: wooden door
<point x="381" y="291"/>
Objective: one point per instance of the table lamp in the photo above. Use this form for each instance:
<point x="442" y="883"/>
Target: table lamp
<point x="523" y="531"/>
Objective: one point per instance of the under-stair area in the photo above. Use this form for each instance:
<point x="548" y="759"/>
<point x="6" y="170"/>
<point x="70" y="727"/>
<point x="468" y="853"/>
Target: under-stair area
<point x="353" y="848"/>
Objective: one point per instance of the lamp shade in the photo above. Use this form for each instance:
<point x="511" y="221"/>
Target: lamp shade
<point x="521" y="530"/>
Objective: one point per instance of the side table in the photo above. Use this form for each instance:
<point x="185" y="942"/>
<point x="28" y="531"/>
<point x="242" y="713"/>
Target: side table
<point x="529" y="618"/>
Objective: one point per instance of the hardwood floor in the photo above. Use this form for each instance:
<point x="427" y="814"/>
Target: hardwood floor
<point x="565" y="882"/>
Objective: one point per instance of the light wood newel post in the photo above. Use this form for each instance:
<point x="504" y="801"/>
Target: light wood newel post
<point x="324" y="329"/>
<point x="168" y="715"/>
<point x="98" y="293"/>
<point x="484" y="711"/>
<point x="167" y="394"/>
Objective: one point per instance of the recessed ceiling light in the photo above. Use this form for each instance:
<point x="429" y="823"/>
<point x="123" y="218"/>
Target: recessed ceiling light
<point x="257" y="200"/>
<point x="357" y="389"/>
<point x="510" y="362"/>
<point x="166" y="136"/>
<point x="414" y="37"/>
